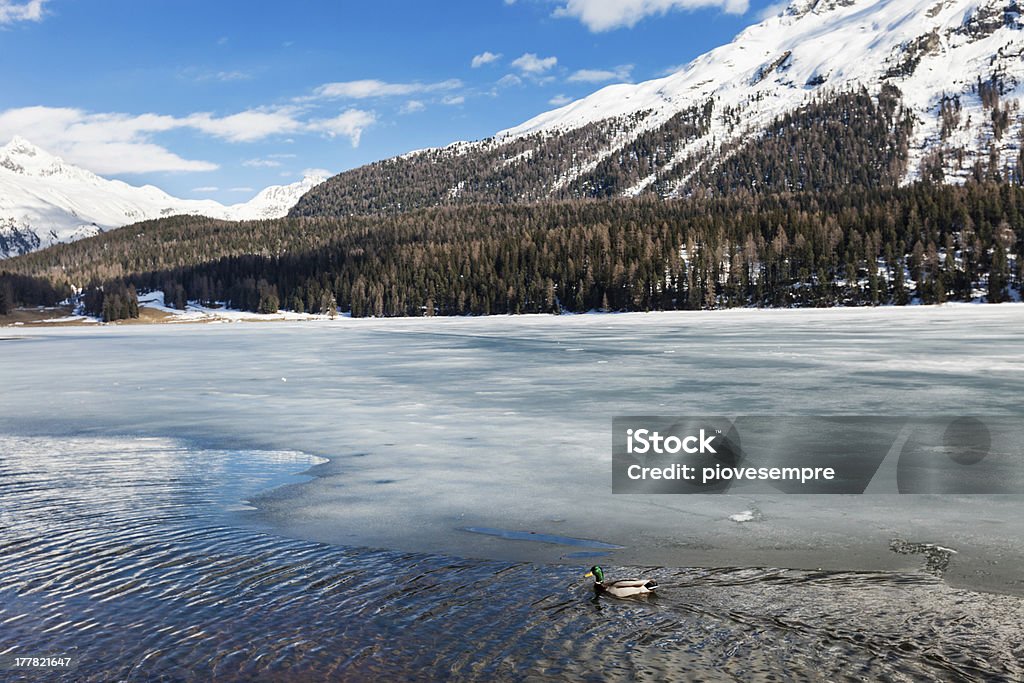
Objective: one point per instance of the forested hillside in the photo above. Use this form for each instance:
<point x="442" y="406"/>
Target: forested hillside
<point x="859" y="247"/>
<point x="842" y="140"/>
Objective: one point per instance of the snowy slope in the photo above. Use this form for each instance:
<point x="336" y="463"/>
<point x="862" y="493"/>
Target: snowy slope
<point x="927" y="48"/>
<point x="273" y="201"/>
<point x="44" y="200"/>
<point x="939" y="61"/>
<point x="940" y="55"/>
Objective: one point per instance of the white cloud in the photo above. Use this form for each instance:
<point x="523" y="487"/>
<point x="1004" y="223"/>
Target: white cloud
<point x="412" y="106"/>
<point x="75" y="125"/>
<point x="103" y="143"/>
<point x="226" y="76"/>
<point x="365" y="89"/>
<point x="605" y="15"/>
<point x="11" y="12"/>
<point x="202" y="75"/>
<point x="484" y="58"/>
<point x="509" y="80"/>
<point x="115" y="143"/>
<point x="559" y="101"/>
<point x="316" y="172"/>
<point x="350" y="124"/>
<point x="531" y="64"/>
<point x="772" y="10"/>
<point x="619" y="73"/>
<point x="240" y="189"/>
<point x="246" y="126"/>
<point x="129" y="157"/>
<point x="206" y="189"/>
<point x="669" y="70"/>
<point x="261" y="163"/>
<point x="454" y="100"/>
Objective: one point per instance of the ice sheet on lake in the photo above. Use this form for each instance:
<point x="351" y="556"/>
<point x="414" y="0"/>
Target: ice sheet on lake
<point x="436" y="425"/>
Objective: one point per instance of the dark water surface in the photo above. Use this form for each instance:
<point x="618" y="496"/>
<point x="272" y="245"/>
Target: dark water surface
<point x="137" y="558"/>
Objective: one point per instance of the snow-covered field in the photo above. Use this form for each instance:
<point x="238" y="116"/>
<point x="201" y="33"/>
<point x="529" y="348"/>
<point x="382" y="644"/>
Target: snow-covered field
<point x="434" y="426"/>
<point x="196" y="312"/>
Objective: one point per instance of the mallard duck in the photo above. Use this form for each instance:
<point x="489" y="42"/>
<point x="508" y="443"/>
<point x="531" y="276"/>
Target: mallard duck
<point x="623" y="588"/>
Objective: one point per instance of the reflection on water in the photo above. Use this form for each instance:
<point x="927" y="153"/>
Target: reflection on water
<point x="127" y="554"/>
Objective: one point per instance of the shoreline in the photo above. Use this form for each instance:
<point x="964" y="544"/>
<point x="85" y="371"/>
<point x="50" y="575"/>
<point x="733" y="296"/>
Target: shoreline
<point x="150" y="314"/>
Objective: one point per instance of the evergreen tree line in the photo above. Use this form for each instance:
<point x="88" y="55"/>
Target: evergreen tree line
<point x="927" y="243"/>
<point x="17" y="289"/>
<point x="493" y="171"/>
<point x="859" y="247"/>
<point x="839" y="139"/>
<point x="112" y="301"/>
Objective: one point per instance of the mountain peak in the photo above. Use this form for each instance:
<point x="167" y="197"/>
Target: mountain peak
<point x="276" y="200"/>
<point x="19" y="145"/>
<point x="44" y="200"/>
<point x="800" y="7"/>
<point x="312" y="178"/>
<point x="21" y="156"/>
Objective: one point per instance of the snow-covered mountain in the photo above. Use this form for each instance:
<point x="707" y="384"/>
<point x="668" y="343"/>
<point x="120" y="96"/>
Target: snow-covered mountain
<point x="44" y="200"/>
<point x="931" y="50"/>
<point x="827" y="95"/>
<point x="915" y="87"/>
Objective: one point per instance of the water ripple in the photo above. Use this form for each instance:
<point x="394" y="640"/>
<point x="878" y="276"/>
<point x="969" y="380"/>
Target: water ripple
<point x="125" y="554"/>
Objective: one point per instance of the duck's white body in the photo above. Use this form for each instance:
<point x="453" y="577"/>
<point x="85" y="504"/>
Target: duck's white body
<point x="626" y="588"/>
<point x="622" y="588"/>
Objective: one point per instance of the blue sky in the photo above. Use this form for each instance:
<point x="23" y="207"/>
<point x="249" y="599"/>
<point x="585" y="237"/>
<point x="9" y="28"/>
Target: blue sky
<point x="220" y="98"/>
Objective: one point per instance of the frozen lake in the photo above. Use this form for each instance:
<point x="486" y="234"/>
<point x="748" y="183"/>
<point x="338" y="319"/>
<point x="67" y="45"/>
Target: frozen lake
<point x="434" y="426"/>
<point x="491" y="438"/>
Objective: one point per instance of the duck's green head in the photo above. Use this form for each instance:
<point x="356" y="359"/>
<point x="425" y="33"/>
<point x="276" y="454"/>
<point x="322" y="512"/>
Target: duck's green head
<point x="597" y="573"/>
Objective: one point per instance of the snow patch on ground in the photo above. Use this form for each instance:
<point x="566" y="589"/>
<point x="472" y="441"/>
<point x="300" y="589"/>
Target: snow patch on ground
<point x="70" y="319"/>
<point x="195" y="312"/>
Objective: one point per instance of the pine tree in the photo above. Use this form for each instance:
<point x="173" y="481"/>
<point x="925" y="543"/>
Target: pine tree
<point x="899" y="289"/>
<point x="132" y="302"/>
<point x="6" y="297"/>
<point x="328" y="305"/>
<point x="268" y="300"/>
<point x="998" y="275"/>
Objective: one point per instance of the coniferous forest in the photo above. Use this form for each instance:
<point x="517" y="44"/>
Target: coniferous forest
<point x="811" y="213"/>
<point x="835" y="141"/>
<point x="861" y="247"/>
